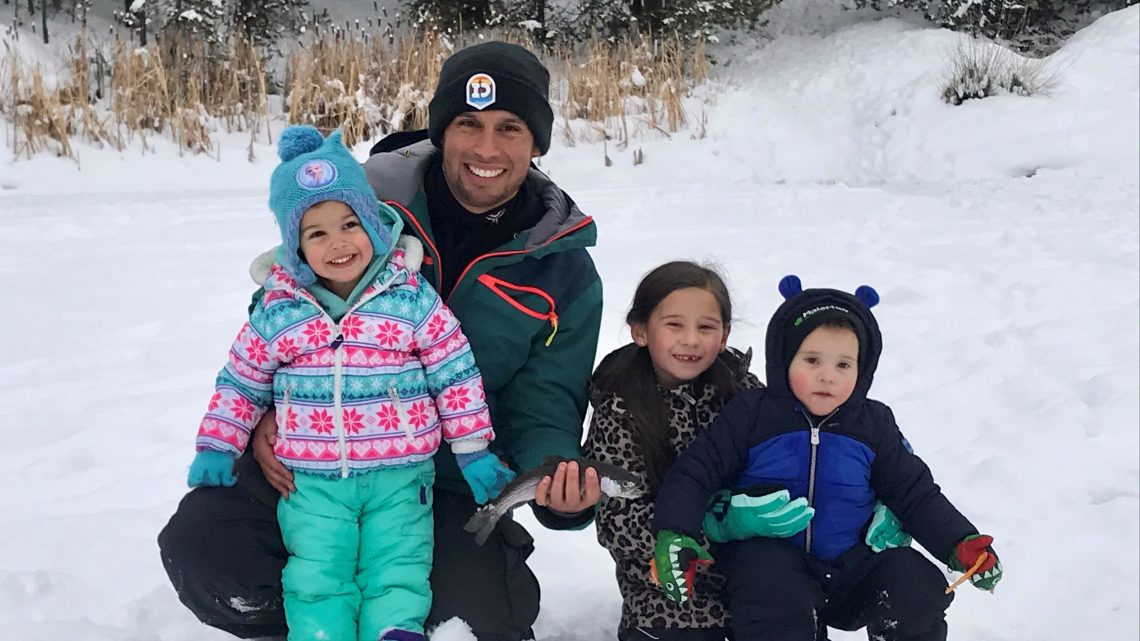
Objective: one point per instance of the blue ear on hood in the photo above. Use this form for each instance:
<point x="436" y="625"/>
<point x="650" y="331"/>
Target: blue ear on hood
<point x="790" y="286"/>
<point x="298" y="139"/>
<point x="867" y="295"/>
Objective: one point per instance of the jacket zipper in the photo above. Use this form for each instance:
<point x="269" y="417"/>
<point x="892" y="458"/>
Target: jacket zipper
<point x="338" y="363"/>
<point x="513" y="252"/>
<point x="338" y="419"/>
<point x="692" y="409"/>
<point x="496" y="285"/>
<point x="815" y="429"/>
<point x="439" y="263"/>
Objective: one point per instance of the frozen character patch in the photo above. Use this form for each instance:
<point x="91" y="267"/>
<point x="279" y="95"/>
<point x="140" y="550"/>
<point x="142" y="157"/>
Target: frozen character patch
<point x="480" y="91"/>
<point x="316" y="174"/>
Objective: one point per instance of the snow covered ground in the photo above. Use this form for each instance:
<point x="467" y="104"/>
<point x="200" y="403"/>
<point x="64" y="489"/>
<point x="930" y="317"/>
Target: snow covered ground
<point x="1003" y="236"/>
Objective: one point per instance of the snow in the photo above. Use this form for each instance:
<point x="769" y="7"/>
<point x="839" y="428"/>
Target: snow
<point x="1003" y="236"/>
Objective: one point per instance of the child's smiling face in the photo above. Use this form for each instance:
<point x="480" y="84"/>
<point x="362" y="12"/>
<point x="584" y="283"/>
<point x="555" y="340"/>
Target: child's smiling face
<point x="335" y="245"/>
<point x="684" y="334"/>
<point x="825" y="368"/>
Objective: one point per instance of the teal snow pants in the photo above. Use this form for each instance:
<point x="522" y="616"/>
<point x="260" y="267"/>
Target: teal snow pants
<point x="360" y="553"/>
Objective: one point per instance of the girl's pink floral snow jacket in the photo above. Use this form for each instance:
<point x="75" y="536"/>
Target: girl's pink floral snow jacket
<point x="381" y="387"/>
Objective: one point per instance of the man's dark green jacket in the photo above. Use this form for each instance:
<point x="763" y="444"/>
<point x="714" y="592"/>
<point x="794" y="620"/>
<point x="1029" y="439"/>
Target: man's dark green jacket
<point x="531" y="310"/>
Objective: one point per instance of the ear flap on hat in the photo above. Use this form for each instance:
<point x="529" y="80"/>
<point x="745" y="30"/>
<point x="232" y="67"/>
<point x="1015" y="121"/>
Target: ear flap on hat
<point x="790" y="286"/>
<point x="867" y="295"/>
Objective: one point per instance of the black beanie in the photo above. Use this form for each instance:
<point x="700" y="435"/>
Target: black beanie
<point x="812" y="308"/>
<point x="816" y="314"/>
<point x="493" y="75"/>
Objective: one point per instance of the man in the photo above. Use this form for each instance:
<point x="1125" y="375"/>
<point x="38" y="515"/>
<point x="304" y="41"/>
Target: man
<point x="506" y="249"/>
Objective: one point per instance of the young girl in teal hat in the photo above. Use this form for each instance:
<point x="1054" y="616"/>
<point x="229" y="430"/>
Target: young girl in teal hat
<point x="368" y="371"/>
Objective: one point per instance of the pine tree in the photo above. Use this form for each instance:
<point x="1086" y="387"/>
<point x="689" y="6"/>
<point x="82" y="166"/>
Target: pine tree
<point x="133" y="16"/>
<point x="199" y="19"/>
<point x="265" y="22"/>
<point x="582" y="19"/>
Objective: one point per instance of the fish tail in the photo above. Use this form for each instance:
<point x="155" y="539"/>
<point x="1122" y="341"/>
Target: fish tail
<point x="481" y="524"/>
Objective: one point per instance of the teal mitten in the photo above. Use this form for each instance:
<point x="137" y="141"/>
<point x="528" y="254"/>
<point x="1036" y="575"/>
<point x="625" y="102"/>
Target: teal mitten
<point x="885" y="531"/>
<point x="212" y="468"/>
<point x="734" y="517"/>
<point x="674" y="564"/>
<point x="485" y="473"/>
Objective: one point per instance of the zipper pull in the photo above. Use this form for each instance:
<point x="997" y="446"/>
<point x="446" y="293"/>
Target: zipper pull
<point x="405" y="425"/>
<point x="815" y="436"/>
<point x="554" y="324"/>
<point x="337" y="341"/>
<point x="283" y="431"/>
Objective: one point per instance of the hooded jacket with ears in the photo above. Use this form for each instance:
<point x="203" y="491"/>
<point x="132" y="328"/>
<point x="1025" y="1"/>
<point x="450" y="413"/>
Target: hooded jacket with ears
<point x="841" y="463"/>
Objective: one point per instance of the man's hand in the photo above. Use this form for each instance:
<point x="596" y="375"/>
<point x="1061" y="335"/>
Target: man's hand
<point x="563" y="493"/>
<point x="263" y="438"/>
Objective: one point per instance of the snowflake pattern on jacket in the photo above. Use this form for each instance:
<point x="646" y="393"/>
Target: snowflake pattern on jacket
<point x="623" y="524"/>
<point x="381" y="387"/>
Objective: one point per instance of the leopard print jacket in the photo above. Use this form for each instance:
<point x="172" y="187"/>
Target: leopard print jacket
<point x="623" y="524"/>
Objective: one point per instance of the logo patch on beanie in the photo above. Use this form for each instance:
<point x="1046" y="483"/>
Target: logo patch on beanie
<point x="480" y="91"/>
<point x="815" y="310"/>
<point x="316" y="174"/>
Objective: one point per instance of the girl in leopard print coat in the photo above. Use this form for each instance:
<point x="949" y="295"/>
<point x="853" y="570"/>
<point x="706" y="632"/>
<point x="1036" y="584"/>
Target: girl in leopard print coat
<point x="650" y="399"/>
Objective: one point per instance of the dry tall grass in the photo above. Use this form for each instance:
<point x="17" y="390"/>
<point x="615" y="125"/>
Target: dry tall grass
<point x="365" y="84"/>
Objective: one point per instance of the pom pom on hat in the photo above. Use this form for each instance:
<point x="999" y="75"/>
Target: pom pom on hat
<point x="299" y="139"/>
<point x="867" y="295"/>
<point x="790" y="286"/>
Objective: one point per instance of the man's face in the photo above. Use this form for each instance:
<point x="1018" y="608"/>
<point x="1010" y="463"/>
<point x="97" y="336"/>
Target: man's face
<point x="486" y="155"/>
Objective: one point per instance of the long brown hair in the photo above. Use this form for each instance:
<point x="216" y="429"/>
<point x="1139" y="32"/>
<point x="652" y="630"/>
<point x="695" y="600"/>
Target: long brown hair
<point x="632" y="377"/>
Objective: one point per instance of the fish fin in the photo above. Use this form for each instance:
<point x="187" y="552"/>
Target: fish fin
<point x="481" y="524"/>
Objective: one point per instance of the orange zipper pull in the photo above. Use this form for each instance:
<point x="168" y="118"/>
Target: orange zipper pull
<point x="554" y="324"/>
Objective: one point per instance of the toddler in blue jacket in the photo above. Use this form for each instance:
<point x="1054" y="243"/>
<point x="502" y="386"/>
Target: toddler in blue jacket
<point x="814" y="432"/>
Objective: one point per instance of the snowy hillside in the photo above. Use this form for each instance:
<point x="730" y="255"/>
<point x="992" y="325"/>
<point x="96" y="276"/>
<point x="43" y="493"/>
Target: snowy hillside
<point x="1003" y="236"/>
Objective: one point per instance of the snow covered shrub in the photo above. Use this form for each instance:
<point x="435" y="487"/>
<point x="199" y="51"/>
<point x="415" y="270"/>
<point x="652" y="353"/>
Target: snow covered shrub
<point x="1029" y="25"/>
<point x="980" y="69"/>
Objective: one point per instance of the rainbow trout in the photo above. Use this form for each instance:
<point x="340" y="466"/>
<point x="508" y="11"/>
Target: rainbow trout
<point x="615" y="482"/>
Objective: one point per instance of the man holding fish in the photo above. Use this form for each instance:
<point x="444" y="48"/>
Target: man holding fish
<point x="506" y="250"/>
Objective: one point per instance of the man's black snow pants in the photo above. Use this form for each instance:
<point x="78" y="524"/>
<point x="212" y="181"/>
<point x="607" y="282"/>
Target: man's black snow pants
<point x="223" y="552"/>
<point x="777" y="593"/>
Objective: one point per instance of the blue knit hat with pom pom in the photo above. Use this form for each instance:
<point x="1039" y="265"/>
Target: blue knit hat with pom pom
<point x="314" y="169"/>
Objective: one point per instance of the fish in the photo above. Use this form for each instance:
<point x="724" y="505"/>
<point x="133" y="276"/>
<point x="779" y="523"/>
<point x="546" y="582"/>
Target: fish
<point x="616" y="482"/>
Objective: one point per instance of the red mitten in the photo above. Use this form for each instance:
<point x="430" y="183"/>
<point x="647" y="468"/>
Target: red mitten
<point x="967" y="553"/>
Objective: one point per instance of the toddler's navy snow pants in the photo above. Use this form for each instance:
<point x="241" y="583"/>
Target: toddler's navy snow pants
<point x="777" y="593"/>
<point x="223" y="552"/>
